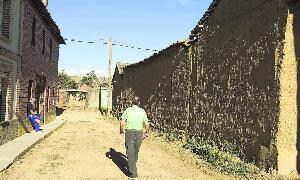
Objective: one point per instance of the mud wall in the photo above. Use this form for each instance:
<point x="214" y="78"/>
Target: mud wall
<point x="237" y="59"/>
<point x="225" y="86"/>
<point x="296" y="12"/>
<point x="161" y="82"/>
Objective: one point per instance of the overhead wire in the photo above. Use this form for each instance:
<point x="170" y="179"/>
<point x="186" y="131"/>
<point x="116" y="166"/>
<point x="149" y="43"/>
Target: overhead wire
<point x="114" y="43"/>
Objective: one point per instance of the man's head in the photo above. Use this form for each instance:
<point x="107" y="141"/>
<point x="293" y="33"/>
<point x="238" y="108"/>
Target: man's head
<point x="136" y="100"/>
<point x="32" y="100"/>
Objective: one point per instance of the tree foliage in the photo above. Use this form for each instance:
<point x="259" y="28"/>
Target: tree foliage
<point x="65" y="81"/>
<point x="90" y="79"/>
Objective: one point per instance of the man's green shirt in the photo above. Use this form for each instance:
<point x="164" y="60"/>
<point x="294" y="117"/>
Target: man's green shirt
<point x="135" y="117"/>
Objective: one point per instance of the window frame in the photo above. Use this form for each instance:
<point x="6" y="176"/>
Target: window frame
<point x="5" y="19"/>
<point x="33" y="31"/>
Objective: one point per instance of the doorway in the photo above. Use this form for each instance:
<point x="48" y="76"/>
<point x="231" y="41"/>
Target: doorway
<point x="1" y="103"/>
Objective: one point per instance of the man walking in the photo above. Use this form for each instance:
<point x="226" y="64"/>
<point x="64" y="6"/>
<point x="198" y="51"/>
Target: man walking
<point x="133" y="121"/>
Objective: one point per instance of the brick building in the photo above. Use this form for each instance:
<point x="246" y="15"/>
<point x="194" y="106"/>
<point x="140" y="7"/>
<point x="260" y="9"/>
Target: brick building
<point x="236" y="81"/>
<point x="28" y="64"/>
<point x="10" y="61"/>
<point x="40" y="52"/>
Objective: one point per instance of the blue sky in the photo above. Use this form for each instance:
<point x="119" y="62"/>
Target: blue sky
<point x="153" y="24"/>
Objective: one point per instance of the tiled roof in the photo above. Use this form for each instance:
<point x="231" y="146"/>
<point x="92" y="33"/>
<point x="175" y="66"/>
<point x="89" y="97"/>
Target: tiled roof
<point x="40" y="7"/>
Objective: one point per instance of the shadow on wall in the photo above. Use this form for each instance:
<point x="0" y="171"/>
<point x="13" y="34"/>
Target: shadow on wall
<point x="23" y="126"/>
<point x="295" y="9"/>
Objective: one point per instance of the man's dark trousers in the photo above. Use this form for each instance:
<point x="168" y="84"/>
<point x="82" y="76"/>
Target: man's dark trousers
<point x="133" y="141"/>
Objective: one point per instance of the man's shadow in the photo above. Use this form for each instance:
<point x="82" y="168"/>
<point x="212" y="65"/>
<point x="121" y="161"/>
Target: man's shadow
<point x="119" y="159"/>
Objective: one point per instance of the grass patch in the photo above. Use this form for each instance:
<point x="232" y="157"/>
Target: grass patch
<point x="224" y="158"/>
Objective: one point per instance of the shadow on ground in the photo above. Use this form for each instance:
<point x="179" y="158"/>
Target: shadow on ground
<point x="59" y="111"/>
<point x="119" y="159"/>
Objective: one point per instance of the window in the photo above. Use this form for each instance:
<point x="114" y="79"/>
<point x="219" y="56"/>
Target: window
<point x="33" y="31"/>
<point x="44" y="41"/>
<point x="5" y="18"/>
<point x="50" y="49"/>
<point x="48" y="99"/>
<point x="53" y="96"/>
<point x="1" y="12"/>
<point x="1" y="103"/>
<point x="30" y="89"/>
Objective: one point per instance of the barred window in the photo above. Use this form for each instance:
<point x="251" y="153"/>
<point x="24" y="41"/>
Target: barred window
<point x="51" y="44"/>
<point x="1" y="98"/>
<point x="33" y="31"/>
<point x="5" y="18"/>
<point x="44" y="41"/>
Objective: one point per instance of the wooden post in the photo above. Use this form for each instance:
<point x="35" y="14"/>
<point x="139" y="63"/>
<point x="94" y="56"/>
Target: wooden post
<point x="109" y="78"/>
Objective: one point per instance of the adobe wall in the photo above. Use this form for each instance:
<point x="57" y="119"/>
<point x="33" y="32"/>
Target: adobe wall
<point x="160" y="81"/>
<point x="237" y="59"/>
<point x="231" y="86"/>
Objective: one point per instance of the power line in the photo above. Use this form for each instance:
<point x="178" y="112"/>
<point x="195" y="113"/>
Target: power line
<point x="115" y="43"/>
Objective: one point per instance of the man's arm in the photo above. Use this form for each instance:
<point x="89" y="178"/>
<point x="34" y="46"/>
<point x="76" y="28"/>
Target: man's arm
<point x="147" y="128"/>
<point x="30" y="108"/>
<point x="32" y="112"/>
<point x="122" y="126"/>
<point x="146" y="132"/>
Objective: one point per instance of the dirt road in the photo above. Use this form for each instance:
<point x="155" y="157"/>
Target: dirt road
<point x="88" y="146"/>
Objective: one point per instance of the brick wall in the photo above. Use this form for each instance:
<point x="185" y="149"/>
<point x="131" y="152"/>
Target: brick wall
<point x="6" y="69"/>
<point x="9" y="69"/>
<point x="37" y="65"/>
<point x="21" y="62"/>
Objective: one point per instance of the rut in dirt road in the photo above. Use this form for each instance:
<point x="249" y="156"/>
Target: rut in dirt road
<point x="89" y="146"/>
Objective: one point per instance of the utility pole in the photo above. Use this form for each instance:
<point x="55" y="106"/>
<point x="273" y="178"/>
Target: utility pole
<point x="109" y="78"/>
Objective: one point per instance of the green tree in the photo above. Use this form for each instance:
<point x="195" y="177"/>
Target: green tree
<point x="90" y="79"/>
<point x="65" y="81"/>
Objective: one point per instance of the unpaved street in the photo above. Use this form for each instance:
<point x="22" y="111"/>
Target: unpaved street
<point x="89" y="146"/>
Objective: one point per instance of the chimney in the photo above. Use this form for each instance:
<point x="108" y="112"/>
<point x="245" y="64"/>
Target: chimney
<point x="45" y="2"/>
